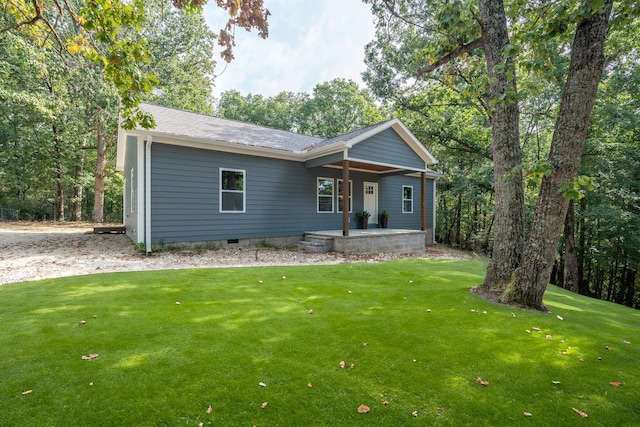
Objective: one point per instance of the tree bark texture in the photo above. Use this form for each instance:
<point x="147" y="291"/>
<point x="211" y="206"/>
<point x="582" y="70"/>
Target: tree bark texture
<point x="571" y="280"/>
<point x="508" y="238"/>
<point x="571" y="128"/>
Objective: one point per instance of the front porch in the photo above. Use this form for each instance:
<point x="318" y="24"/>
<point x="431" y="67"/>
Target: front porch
<point x="365" y="241"/>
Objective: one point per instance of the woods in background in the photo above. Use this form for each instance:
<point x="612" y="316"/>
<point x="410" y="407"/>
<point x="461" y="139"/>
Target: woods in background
<point x="58" y="121"/>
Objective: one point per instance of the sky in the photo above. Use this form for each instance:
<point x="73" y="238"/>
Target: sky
<point x="310" y="42"/>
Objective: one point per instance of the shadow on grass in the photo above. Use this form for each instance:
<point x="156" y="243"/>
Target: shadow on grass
<point x="415" y="336"/>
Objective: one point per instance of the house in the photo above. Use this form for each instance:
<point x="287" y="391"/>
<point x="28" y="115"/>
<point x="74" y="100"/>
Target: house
<point x="197" y="178"/>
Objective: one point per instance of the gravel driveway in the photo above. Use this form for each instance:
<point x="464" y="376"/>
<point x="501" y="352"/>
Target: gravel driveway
<point x="33" y="251"/>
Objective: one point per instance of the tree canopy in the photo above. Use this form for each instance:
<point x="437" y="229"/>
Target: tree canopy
<point x="105" y="32"/>
<point x="515" y="64"/>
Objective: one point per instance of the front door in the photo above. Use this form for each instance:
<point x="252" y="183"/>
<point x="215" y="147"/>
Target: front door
<point x="370" y="202"/>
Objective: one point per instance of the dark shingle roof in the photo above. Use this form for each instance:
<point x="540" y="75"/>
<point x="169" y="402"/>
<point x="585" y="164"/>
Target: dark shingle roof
<point x="199" y="126"/>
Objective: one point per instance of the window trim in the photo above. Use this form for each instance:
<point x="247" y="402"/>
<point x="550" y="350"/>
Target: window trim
<point x="407" y="200"/>
<point x="318" y="195"/>
<point x="221" y="170"/>
<point x="339" y="181"/>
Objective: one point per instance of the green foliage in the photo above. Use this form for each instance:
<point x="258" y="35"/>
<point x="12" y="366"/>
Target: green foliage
<point x="334" y="108"/>
<point x="576" y="189"/>
<point x="427" y="341"/>
<point x="56" y="109"/>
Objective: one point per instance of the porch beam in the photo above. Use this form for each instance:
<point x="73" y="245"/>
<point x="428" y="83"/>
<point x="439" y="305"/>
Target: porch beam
<point x="423" y="201"/>
<point x="345" y="197"/>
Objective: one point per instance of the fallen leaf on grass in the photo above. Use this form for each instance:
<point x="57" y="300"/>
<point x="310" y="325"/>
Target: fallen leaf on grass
<point x="264" y="405"/>
<point x="310" y="311"/>
<point x="528" y="414"/>
<point x="549" y="337"/>
<point x="363" y="409"/>
<point x="91" y="384"/>
<point x="177" y="302"/>
<point x="385" y="403"/>
<point x="414" y="414"/>
<point x="209" y="409"/>
<point x="342" y="364"/>
<point x="352" y="366"/>
<point x="560" y="317"/>
<point x="579" y="412"/>
<point x="482" y="382"/>
<point x="309" y="385"/>
<point x="200" y="424"/>
<point x="284" y="277"/>
<point x="90" y="357"/>
<point x="536" y="329"/>
<point x="616" y="383"/>
<point x="627" y="342"/>
<point x="260" y="282"/>
<point x="261" y="384"/>
<point x="606" y="347"/>
<point x="83" y="322"/>
<point x="27" y="392"/>
<point x="555" y="382"/>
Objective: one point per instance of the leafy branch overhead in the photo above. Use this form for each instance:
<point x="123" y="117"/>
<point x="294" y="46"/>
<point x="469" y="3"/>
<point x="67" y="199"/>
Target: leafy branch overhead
<point x="106" y="33"/>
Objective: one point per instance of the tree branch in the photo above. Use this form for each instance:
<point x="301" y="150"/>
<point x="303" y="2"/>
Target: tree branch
<point x="466" y="48"/>
<point x="31" y="21"/>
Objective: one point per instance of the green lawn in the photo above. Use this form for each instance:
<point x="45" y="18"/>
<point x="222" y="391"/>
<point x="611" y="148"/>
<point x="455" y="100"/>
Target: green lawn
<point x="172" y="343"/>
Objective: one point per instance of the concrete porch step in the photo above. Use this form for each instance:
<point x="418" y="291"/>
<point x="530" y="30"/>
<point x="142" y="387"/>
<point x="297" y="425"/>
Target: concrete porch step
<point x="316" y="244"/>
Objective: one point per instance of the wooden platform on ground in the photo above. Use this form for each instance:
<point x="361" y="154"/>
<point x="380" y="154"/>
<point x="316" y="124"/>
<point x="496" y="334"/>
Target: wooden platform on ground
<point x="110" y="229"/>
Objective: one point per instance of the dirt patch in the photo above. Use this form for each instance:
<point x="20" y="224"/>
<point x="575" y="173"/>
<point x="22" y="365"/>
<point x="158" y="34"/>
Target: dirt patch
<point x="34" y="251"/>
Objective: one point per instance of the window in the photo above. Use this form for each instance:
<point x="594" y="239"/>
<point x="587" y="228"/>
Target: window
<point x="340" y="198"/>
<point x="407" y="199"/>
<point x="232" y="190"/>
<point x="325" y="194"/>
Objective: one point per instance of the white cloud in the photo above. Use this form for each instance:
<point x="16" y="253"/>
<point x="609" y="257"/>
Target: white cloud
<point x="309" y="43"/>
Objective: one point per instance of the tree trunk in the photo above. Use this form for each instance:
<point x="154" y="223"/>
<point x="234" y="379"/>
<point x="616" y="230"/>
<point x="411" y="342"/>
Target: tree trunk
<point x="458" y="239"/>
<point x="571" y="280"/>
<point x="505" y="147"/>
<point x="100" y="174"/>
<point x="59" y="204"/>
<point x="76" y="215"/>
<point x="630" y="285"/>
<point x="583" y="286"/>
<point x="572" y="125"/>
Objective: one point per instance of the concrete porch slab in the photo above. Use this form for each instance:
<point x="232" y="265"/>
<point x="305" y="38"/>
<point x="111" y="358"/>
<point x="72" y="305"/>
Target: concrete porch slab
<point x="374" y="240"/>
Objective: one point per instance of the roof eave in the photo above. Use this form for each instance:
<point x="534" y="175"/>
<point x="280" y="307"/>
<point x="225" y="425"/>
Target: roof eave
<point x="209" y="144"/>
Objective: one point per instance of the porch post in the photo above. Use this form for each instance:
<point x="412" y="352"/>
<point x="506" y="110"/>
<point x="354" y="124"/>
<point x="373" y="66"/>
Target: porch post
<point x="345" y="197"/>
<point x="423" y="201"/>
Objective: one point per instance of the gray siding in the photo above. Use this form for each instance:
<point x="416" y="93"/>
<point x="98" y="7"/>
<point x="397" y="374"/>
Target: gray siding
<point x="378" y="148"/>
<point x="131" y="197"/>
<point x="390" y="199"/>
<point x="331" y="158"/>
<point x="281" y="197"/>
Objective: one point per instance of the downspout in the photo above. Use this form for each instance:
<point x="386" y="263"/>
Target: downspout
<point x="423" y="198"/>
<point x="147" y="192"/>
